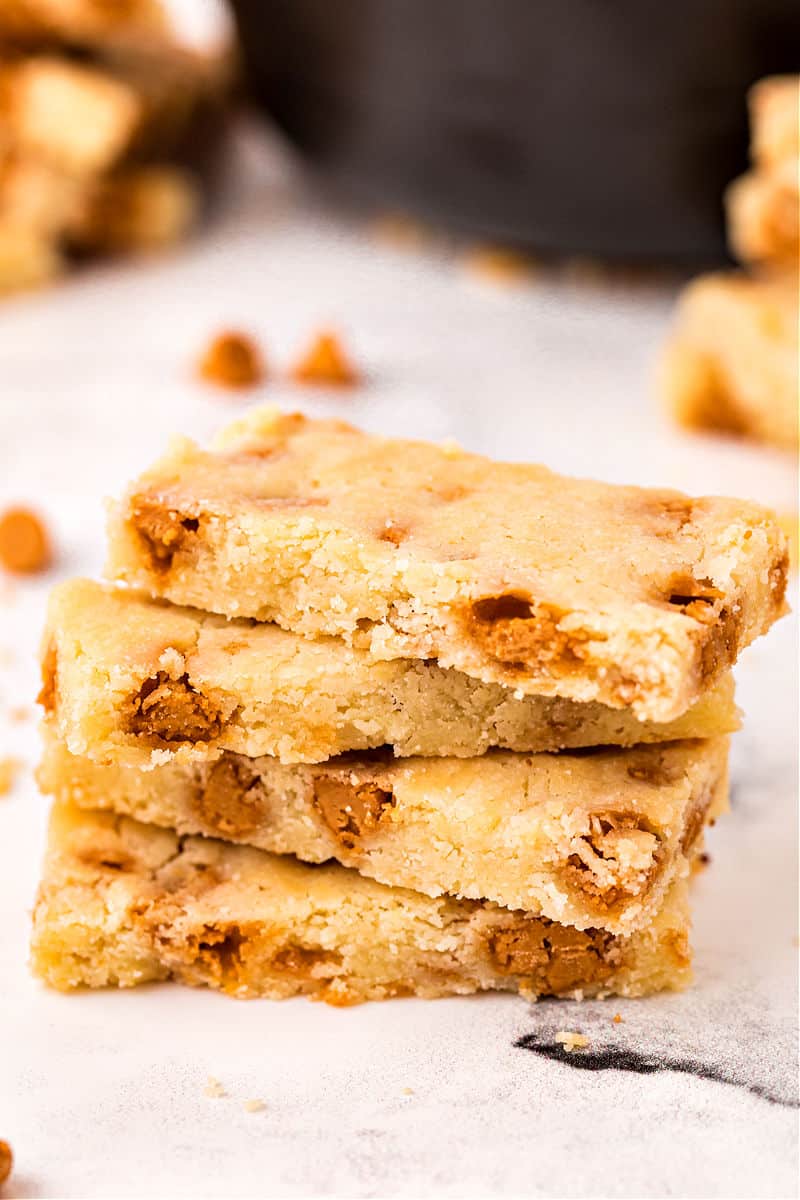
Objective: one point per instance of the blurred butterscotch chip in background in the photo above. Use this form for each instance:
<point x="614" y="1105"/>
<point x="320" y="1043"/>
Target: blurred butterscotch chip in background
<point x="104" y="117"/>
<point x="325" y="363"/>
<point x="232" y="360"/>
<point x="25" y="546"/>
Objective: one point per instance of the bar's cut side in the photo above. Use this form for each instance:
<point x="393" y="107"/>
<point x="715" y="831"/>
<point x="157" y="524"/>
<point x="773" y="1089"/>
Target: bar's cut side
<point x="130" y="680"/>
<point x="123" y="903"/>
<point x="561" y="587"/>
<point x="591" y="841"/>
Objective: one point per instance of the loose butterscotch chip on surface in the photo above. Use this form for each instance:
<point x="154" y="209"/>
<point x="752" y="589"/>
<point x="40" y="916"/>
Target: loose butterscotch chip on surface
<point x="6" y="1161"/>
<point x="24" y="542"/>
<point x="9" y="768"/>
<point x="232" y="360"/>
<point x="325" y="363"/>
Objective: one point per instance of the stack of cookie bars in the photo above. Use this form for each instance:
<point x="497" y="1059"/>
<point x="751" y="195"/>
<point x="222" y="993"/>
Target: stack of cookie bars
<point x="376" y="718"/>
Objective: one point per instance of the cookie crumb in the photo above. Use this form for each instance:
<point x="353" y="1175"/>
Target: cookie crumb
<point x="408" y="1092"/>
<point x="9" y="769"/>
<point x="232" y="360"/>
<point x="571" y="1041"/>
<point x="214" y="1089"/>
<point x="254" y="1106"/>
<point x="6" y="1161"/>
<point x="19" y="714"/>
<point x="617" y="1018"/>
<point x="325" y="363"/>
<point x="25" y="546"/>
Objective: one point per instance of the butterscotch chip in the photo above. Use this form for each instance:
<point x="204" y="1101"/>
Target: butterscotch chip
<point x="253" y="924"/>
<point x="533" y="832"/>
<point x="233" y="360"/>
<point x="325" y="363"/>
<point x="6" y="1161"/>
<point x="505" y="572"/>
<point x="24" y="542"/>
<point x="9" y="768"/>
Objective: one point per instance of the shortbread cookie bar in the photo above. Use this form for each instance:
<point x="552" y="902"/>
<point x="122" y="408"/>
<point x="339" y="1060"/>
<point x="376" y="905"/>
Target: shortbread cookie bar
<point x="77" y="118"/>
<point x="127" y="679"/>
<point x="732" y="363"/>
<point x="774" y="105"/>
<point x="83" y="22"/>
<point x="763" y="206"/>
<point x="511" y="574"/>
<point x="589" y="840"/>
<point x="763" y="210"/>
<point x="123" y="903"/>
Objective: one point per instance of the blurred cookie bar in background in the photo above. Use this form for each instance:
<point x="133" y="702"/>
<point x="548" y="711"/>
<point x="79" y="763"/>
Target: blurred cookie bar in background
<point x="100" y="108"/>
<point x="732" y="361"/>
<point x="763" y="206"/>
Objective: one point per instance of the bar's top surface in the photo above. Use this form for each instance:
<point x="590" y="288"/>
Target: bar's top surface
<point x="510" y="573"/>
<point x="129" y="679"/>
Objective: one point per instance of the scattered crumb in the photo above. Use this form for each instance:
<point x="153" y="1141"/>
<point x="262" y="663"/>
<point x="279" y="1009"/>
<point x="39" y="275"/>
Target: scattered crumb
<point x="9" y="768"/>
<point x="24" y="542"/>
<point x="325" y="363"/>
<point x="19" y="714"/>
<point x="499" y="264"/>
<point x="408" y="1091"/>
<point x="400" y="231"/>
<point x="232" y="360"/>
<point x="572" y="1041"/>
<point x="617" y="1018"/>
<point x="6" y="1161"/>
<point x="214" y="1089"/>
<point x="254" y="1106"/>
<point x="705" y="858"/>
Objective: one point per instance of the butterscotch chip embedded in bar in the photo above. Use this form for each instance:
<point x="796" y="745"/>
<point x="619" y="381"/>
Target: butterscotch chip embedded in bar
<point x="589" y="840"/>
<point x="732" y="363"/>
<point x="126" y="679"/>
<point x="635" y="598"/>
<point x="123" y="903"/>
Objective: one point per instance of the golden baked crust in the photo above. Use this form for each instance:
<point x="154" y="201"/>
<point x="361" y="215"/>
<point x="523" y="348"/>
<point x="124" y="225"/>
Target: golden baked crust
<point x="591" y="840"/>
<point x="631" y="597"/>
<point x="123" y="903"/>
<point x="732" y="363"/>
<point x="127" y="679"/>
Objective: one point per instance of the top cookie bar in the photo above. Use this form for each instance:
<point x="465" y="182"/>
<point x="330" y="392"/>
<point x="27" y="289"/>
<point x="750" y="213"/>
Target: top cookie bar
<point x="511" y="574"/>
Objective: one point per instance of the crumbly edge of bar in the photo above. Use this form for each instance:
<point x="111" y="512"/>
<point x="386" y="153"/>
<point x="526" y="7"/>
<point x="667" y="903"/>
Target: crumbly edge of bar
<point x="103" y="917"/>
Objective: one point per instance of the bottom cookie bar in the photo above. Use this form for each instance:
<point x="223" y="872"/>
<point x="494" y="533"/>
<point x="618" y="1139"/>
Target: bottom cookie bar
<point x="123" y="903"/>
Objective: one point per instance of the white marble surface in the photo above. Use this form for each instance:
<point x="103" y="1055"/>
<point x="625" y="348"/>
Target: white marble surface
<point x="101" y="1095"/>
